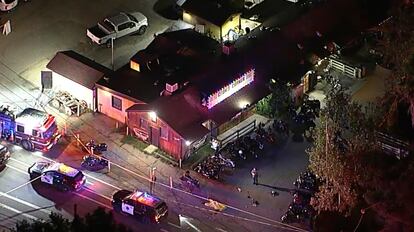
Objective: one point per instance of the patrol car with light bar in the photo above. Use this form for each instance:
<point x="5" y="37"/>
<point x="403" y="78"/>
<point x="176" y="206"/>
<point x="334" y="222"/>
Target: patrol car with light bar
<point x="142" y="205"/>
<point x="58" y="175"/>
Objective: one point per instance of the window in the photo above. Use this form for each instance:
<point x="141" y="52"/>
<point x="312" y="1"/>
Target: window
<point x="143" y="123"/>
<point x="123" y="26"/>
<point x="164" y="133"/>
<point x="35" y="133"/>
<point x="20" y="128"/>
<point x="109" y="25"/>
<point x="132" y="18"/>
<point x="116" y="103"/>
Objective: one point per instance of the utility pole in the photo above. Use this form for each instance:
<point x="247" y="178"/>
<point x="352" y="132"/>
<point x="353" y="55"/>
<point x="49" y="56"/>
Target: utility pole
<point x="112" y="52"/>
<point x="326" y="138"/>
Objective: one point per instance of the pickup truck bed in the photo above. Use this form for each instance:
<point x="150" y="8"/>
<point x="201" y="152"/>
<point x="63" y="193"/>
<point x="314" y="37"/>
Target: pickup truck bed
<point x="96" y="31"/>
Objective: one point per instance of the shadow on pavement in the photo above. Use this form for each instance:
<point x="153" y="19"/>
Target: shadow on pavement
<point x="2" y="167"/>
<point x="61" y="199"/>
<point x="168" y="9"/>
<point x="278" y="188"/>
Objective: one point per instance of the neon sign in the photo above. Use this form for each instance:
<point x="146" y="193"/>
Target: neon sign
<point x="230" y="89"/>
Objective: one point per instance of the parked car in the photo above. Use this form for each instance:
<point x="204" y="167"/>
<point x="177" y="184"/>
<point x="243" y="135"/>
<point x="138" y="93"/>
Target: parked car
<point x="117" y="26"/>
<point x="6" y="5"/>
<point x="143" y="206"/>
<point x="4" y="154"/>
<point x="58" y="175"/>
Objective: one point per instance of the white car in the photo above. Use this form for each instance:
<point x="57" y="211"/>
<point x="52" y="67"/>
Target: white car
<point x="6" y="5"/>
<point x="118" y="26"/>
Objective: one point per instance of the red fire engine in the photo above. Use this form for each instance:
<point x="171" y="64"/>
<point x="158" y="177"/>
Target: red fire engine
<point x="32" y="129"/>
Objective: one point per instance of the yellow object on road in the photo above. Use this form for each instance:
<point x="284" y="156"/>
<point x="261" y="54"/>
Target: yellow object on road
<point x="215" y="205"/>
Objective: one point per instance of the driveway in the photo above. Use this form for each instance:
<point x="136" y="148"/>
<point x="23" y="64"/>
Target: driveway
<point x="41" y="28"/>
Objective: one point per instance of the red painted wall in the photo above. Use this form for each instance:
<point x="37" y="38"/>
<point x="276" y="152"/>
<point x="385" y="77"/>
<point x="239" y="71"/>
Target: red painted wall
<point x="173" y="144"/>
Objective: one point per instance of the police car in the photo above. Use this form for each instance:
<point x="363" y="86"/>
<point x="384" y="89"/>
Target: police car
<point x="58" y="175"/>
<point x="4" y="154"/>
<point x="141" y="205"/>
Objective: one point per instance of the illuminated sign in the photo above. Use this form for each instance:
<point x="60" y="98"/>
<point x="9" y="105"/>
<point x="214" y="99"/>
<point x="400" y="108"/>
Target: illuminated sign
<point x="230" y="89"/>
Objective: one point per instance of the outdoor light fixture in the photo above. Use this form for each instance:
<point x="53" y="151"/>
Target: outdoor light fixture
<point x="153" y="116"/>
<point x="243" y="104"/>
<point x="187" y="143"/>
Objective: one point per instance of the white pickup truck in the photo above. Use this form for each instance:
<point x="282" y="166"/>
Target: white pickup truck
<point x="118" y="26"/>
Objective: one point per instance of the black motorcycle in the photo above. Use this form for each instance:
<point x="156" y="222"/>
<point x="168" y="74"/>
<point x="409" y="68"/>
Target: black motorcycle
<point x="189" y="181"/>
<point x="94" y="163"/>
<point x="98" y="148"/>
<point x="290" y="217"/>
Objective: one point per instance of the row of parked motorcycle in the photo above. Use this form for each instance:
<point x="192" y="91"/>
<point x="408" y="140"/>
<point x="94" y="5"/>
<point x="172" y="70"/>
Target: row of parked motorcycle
<point x="300" y="210"/>
<point x="245" y="148"/>
<point x="94" y="160"/>
<point x="214" y="165"/>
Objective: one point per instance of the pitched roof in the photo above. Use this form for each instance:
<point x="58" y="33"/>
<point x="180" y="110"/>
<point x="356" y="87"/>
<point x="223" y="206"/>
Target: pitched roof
<point x="77" y="68"/>
<point x="276" y="55"/>
<point x="170" y="109"/>
<point x="214" y="11"/>
<point x="172" y="57"/>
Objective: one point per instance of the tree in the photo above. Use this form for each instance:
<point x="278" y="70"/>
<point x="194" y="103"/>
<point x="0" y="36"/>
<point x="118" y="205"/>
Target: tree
<point x="263" y="107"/>
<point x="397" y="45"/>
<point x="387" y="189"/>
<point x="281" y="99"/>
<point x="362" y="175"/>
<point x="341" y="134"/>
<point x="97" y="221"/>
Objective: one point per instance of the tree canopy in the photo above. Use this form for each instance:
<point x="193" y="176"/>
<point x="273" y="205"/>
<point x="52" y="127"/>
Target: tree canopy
<point x="397" y="46"/>
<point x="355" y="173"/>
<point x="97" y="221"/>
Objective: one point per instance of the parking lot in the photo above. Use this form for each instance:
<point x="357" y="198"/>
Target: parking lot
<point x="41" y="28"/>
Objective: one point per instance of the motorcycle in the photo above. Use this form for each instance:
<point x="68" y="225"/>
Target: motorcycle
<point x="290" y="217"/>
<point x="189" y="181"/>
<point x="97" y="148"/>
<point x="94" y="163"/>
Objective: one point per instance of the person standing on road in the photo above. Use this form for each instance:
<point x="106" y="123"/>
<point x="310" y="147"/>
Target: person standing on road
<point x="255" y="176"/>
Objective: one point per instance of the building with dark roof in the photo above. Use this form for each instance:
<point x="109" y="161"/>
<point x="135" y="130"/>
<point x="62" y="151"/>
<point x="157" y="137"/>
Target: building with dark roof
<point x="180" y="92"/>
<point x="77" y="75"/>
<point x="215" y="18"/>
<point x="163" y="68"/>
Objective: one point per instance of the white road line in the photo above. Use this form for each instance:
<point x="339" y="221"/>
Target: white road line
<point x="18" y="211"/>
<point x="96" y="193"/>
<point x="16" y="169"/>
<point x="87" y="175"/>
<point x="93" y="200"/>
<point x="220" y="229"/>
<point x="23" y="202"/>
<point x="103" y="182"/>
<point x="100" y="203"/>
<point x="191" y="225"/>
<point x="20" y="162"/>
<point x="278" y="223"/>
<point x="172" y="224"/>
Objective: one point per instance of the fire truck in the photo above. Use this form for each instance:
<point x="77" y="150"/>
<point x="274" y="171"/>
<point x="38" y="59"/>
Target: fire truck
<point x="31" y="128"/>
